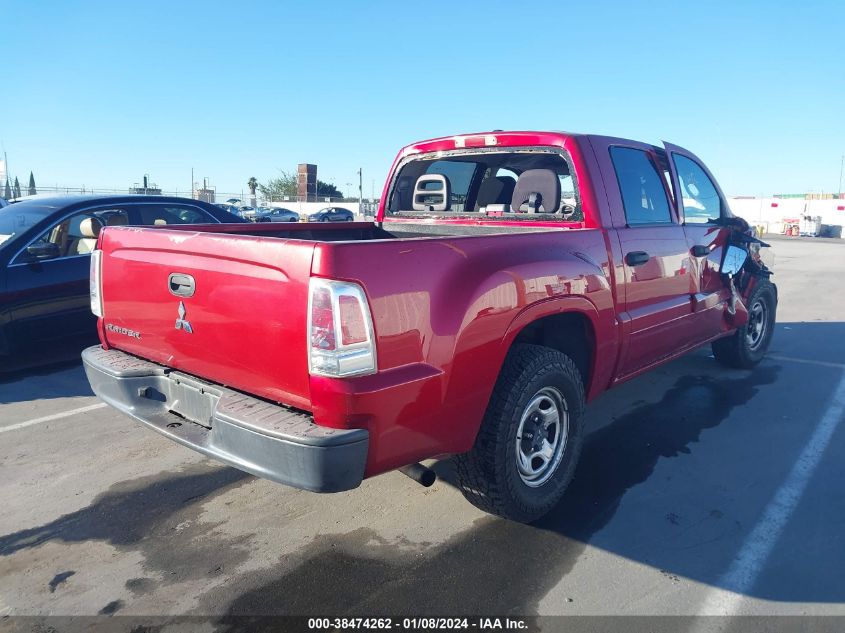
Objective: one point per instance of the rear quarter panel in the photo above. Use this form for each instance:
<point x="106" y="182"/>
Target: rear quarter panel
<point x="445" y="312"/>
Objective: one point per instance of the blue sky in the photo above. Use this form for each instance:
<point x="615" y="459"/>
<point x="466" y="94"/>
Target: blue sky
<point x="99" y="93"/>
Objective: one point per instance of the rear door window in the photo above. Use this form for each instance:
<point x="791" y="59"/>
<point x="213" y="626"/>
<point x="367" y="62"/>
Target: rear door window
<point x="163" y="214"/>
<point x="643" y="193"/>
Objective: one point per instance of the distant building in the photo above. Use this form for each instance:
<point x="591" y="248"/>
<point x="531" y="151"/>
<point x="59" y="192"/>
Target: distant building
<point x="205" y="193"/>
<point x="306" y="182"/>
<point x="810" y="195"/>
<point x="149" y="188"/>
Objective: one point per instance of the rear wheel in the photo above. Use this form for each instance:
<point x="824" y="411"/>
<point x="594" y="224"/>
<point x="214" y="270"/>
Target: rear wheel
<point x="748" y="345"/>
<point x="528" y="446"/>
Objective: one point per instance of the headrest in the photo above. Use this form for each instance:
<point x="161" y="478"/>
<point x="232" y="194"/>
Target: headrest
<point x="538" y="187"/>
<point x="432" y="193"/>
<point x="90" y="228"/>
<point x="497" y="190"/>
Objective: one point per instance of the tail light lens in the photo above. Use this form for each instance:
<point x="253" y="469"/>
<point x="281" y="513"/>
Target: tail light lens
<point x="95" y="283"/>
<point x="340" y="330"/>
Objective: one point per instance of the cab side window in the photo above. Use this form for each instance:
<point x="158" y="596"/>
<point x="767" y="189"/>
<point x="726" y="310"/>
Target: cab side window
<point x="702" y="203"/>
<point x="643" y="194"/>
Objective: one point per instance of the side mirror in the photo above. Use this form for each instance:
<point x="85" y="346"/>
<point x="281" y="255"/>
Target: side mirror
<point x="43" y="250"/>
<point x="734" y="260"/>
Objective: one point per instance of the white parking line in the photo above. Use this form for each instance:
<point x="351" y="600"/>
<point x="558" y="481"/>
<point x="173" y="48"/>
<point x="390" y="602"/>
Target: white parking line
<point x="50" y="418"/>
<point x="752" y="556"/>
<point x="807" y="361"/>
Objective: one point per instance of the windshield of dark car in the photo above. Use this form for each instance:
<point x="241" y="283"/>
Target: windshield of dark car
<point x="16" y="219"/>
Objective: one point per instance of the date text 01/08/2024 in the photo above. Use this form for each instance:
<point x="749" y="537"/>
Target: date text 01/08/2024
<point x="418" y="623"/>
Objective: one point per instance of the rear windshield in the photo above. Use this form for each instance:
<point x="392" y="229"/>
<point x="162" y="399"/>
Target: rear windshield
<point x="528" y="185"/>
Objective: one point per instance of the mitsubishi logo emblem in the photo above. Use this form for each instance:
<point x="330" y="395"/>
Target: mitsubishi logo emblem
<point x="182" y="323"/>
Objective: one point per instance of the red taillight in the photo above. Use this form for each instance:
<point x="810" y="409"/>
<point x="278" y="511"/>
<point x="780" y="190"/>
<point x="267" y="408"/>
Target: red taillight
<point x="95" y="283"/>
<point x="352" y="327"/>
<point x="340" y="329"/>
<point x="322" y="319"/>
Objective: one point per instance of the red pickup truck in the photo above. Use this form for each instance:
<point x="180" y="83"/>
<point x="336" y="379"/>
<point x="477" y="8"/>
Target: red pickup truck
<point x="509" y="278"/>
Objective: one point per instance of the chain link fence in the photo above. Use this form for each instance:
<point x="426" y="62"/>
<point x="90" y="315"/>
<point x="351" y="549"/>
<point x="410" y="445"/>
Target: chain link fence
<point x="367" y="206"/>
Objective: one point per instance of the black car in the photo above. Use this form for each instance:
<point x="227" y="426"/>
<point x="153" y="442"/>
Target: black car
<point x="276" y="214"/>
<point x="45" y="246"/>
<point x="332" y="214"/>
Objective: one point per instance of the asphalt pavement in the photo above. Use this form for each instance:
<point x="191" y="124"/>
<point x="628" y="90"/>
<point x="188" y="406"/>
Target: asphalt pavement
<point x="701" y="490"/>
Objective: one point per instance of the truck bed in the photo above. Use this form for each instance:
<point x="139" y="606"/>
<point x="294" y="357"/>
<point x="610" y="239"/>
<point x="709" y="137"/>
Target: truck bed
<point x="248" y="314"/>
<point x="363" y="231"/>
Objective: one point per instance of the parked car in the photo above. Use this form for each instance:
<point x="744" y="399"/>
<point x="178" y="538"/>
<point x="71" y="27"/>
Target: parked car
<point x="277" y="214"/>
<point x="509" y="279"/>
<point x="45" y="252"/>
<point x="247" y="212"/>
<point x="228" y="208"/>
<point x="332" y="214"/>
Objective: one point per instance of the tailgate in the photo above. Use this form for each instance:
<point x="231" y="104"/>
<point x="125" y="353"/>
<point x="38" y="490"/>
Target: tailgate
<point x="228" y="308"/>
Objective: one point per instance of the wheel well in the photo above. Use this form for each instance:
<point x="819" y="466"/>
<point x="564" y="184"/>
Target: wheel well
<point x="570" y="333"/>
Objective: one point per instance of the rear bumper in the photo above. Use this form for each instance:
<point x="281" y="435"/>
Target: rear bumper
<point x="265" y="439"/>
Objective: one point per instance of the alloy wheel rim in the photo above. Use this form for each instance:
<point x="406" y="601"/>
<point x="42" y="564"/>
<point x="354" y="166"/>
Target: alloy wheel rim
<point x="541" y="437"/>
<point x="757" y="324"/>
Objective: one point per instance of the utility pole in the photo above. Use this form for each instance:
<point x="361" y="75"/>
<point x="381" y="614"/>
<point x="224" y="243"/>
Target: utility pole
<point x="841" y="165"/>
<point x="5" y="166"/>
<point x="360" y="189"/>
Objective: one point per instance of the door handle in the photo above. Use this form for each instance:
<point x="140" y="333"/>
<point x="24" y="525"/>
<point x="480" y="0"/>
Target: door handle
<point x="700" y="251"/>
<point x="637" y="258"/>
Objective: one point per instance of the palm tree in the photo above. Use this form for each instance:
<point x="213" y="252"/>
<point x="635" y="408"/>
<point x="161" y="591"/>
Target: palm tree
<point x="252" y="183"/>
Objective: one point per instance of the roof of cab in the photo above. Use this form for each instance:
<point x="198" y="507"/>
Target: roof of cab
<point x="494" y="138"/>
<point x="61" y="201"/>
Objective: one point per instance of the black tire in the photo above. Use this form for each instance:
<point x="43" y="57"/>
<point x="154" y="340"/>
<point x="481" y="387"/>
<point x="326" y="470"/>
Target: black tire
<point x="489" y="475"/>
<point x="747" y="346"/>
